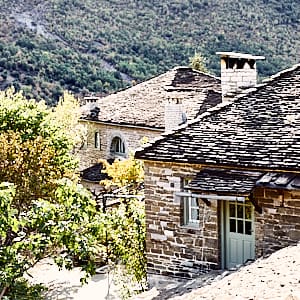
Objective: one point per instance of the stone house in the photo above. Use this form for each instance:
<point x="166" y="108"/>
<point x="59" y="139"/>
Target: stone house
<point x="225" y="187"/>
<point x="117" y="123"/>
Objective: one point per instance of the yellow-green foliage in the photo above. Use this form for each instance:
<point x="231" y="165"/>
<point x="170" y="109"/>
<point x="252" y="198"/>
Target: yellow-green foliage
<point x="124" y="225"/>
<point x="128" y="173"/>
<point x="43" y="211"/>
<point x="197" y="62"/>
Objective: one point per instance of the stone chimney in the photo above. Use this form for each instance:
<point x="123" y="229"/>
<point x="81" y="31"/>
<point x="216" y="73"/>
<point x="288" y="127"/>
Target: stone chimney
<point x="238" y="72"/>
<point x="90" y="99"/>
<point x="174" y="113"/>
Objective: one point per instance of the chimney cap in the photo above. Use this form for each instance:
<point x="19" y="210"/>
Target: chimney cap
<point x="239" y="55"/>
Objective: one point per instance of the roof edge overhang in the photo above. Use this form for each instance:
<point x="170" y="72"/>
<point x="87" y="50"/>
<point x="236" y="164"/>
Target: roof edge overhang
<point x="239" y="55"/>
<point x="218" y="193"/>
<point x="224" y="166"/>
<point x="161" y="129"/>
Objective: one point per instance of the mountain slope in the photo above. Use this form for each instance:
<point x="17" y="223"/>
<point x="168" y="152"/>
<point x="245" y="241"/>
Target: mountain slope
<point x="99" y="46"/>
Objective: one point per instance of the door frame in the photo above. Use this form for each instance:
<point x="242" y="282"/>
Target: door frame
<point x="223" y="232"/>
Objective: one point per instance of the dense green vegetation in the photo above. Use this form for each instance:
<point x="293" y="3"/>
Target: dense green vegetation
<point x="44" y="212"/>
<point x="86" y="46"/>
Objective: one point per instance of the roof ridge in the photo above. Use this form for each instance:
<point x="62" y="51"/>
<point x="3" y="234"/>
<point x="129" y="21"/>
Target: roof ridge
<point x="207" y="74"/>
<point x="170" y="71"/>
<point x="280" y="73"/>
<point x="218" y="108"/>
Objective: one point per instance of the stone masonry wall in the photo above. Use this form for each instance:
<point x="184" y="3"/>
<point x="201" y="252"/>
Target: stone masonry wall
<point x="132" y="136"/>
<point x="174" y="249"/>
<point x="279" y="224"/>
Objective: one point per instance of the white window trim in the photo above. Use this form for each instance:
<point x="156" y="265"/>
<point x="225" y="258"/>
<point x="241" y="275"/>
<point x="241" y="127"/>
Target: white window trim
<point x="97" y="140"/>
<point x="188" y="208"/>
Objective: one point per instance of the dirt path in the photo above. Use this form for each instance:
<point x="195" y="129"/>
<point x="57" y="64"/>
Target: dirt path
<point x="65" y="285"/>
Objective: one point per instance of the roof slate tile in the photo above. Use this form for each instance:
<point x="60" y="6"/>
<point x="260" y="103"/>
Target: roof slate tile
<point x="257" y="130"/>
<point x="144" y="103"/>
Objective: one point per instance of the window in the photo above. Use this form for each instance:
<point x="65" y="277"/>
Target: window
<point x="84" y="143"/>
<point x="191" y="211"/>
<point x="190" y="206"/>
<point x="97" y="140"/>
<point x="240" y="217"/>
<point x="117" y="146"/>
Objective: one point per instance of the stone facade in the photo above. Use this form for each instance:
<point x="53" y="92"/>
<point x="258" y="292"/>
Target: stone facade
<point x="175" y="249"/>
<point x="278" y="225"/>
<point x="131" y="136"/>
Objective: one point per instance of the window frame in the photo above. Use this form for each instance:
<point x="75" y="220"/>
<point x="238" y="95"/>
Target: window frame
<point x="117" y="146"/>
<point x="188" y="207"/>
<point x="97" y="140"/>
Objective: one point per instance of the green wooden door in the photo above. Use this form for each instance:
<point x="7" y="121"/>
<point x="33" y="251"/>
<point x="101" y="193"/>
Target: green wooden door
<point x="239" y="233"/>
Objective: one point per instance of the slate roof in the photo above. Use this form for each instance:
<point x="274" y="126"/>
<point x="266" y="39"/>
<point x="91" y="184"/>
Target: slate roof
<point x="144" y="103"/>
<point x="224" y="181"/>
<point x="239" y="182"/>
<point x="260" y="130"/>
<point x="285" y="181"/>
<point x="93" y="173"/>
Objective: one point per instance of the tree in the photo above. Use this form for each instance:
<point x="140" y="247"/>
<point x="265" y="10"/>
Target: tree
<point x="125" y="229"/>
<point x="197" y="62"/>
<point x="127" y="174"/>
<point x="43" y="211"/>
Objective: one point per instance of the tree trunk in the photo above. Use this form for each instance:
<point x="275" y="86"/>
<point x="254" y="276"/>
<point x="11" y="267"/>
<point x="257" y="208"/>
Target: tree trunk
<point x="3" y="292"/>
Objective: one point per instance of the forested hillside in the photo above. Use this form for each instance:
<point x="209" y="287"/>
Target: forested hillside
<point x="101" y="46"/>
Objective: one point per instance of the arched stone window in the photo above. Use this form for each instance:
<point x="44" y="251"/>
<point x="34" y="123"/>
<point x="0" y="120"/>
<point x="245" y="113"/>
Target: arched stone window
<point x="117" y="146"/>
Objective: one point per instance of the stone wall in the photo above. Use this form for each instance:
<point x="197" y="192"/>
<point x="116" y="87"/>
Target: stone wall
<point x="89" y="155"/>
<point x="175" y="249"/>
<point x="279" y="224"/>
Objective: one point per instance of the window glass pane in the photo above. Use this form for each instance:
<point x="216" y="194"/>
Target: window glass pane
<point x="97" y="140"/>
<point x="185" y="210"/>
<point x="240" y="226"/>
<point x="232" y="210"/>
<point x="194" y="214"/>
<point x="232" y="225"/>
<point x="248" y="229"/>
<point x="240" y="211"/>
<point x="117" y="145"/>
<point x="248" y="210"/>
<point x="122" y="147"/>
<point x="194" y="202"/>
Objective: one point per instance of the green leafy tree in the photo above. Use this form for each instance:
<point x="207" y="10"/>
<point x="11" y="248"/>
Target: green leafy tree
<point x="43" y="211"/>
<point x="125" y="230"/>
